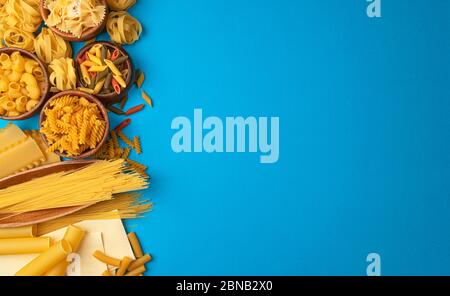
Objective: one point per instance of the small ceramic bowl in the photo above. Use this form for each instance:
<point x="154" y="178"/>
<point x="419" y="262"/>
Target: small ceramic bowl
<point x="86" y="35"/>
<point x="45" y="89"/>
<point x="90" y="98"/>
<point x="112" y="97"/>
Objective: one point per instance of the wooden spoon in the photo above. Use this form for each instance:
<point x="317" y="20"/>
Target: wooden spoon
<point x="30" y="218"/>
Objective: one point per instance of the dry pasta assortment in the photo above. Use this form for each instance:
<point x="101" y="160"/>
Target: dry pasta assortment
<point x="50" y="206"/>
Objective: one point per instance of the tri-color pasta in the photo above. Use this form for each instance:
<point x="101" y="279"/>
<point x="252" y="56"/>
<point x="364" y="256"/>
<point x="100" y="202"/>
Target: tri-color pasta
<point x="73" y="125"/>
<point x="21" y="84"/>
<point x="103" y="70"/>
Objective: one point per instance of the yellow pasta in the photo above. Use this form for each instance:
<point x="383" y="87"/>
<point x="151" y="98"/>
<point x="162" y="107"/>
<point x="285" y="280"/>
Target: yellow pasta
<point x="119" y="5"/>
<point x="59" y="269"/>
<point x="16" y="246"/>
<point x="81" y="15"/>
<point x="124" y="264"/>
<point x="73" y="133"/>
<point x="18" y="232"/>
<point x="136" y="272"/>
<point x="140" y="262"/>
<point x="47" y="260"/>
<point x="137" y="145"/>
<point x="106" y="259"/>
<point x="125" y="139"/>
<point x="140" y="80"/>
<point x="23" y="156"/>
<point x="18" y="20"/>
<point x="73" y="236"/>
<point x="135" y="245"/>
<point x="15" y="37"/>
<point x="147" y="98"/>
<point x="49" y="46"/>
<point x="63" y="75"/>
<point x="125" y="206"/>
<point x="89" y="185"/>
<point x="123" y="28"/>
<point x="21" y="81"/>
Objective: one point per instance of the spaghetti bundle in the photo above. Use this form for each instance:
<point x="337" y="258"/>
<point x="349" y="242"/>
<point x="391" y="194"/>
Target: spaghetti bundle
<point x="89" y="185"/>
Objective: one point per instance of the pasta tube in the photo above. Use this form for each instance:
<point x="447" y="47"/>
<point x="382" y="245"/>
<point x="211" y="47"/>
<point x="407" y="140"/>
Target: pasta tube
<point x="73" y="236"/>
<point x="135" y="245"/>
<point x="140" y="262"/>
<point x="16" y="246"/>
<point x="124" y="264"/>
<point x="18" y="232"/>
<point x="137" y="271"/>
<point x="44" y="262"/>
<point x="106" y="259"/>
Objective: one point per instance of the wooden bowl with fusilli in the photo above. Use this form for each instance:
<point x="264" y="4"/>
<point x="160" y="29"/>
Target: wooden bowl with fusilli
<point x="74" y="124"/>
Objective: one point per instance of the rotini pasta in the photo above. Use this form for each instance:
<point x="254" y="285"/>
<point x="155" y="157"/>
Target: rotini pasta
<point x="63" y="75"/>
<point x="119" y="5"/>
<point x="49" y="46"/>
<point x="123" y="28"/>
<point x="73" y="125"/>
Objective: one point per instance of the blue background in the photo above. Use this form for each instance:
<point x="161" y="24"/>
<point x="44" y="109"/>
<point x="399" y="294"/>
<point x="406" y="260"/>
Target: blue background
<point x="364" y="149"/>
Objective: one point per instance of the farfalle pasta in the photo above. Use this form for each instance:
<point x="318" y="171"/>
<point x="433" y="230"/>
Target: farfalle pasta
<point x="21" y="83"/>
<point x="73" y="125"/>
<point x="123" y="28"/>
<point x="49" y="46"/>
<point x="74" y="16"/>
<point x="119" y="5"/>
<point x="62" y="74"/>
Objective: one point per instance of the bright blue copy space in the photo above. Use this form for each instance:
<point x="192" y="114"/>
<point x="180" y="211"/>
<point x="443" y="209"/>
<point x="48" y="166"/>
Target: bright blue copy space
<point x="364" y="124"/>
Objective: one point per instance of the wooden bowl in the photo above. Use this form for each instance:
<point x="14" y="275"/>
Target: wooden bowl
<point x="111" y="97"/>
<point x="90" y="98"/>
<point x="45" y="91"/>
<point x="86" y="35"/>
<point x="30" y="218"/>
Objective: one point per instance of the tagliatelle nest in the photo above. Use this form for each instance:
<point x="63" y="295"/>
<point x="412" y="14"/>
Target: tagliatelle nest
<point x="75" y="16"/>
